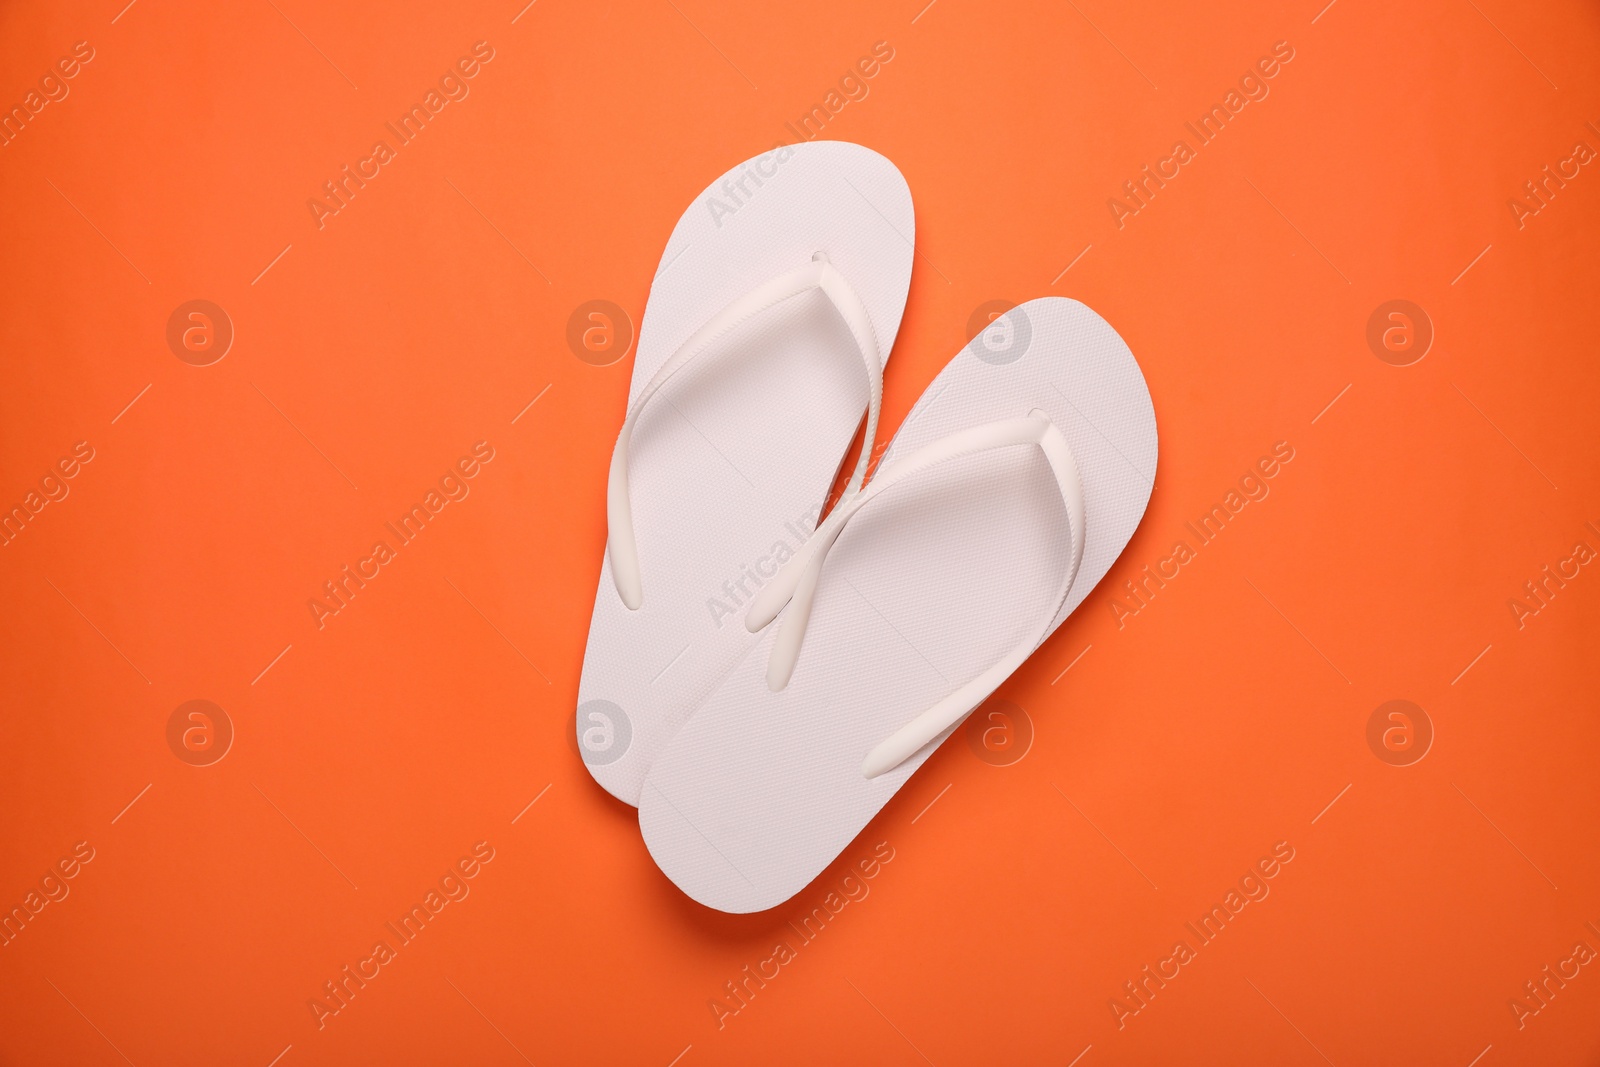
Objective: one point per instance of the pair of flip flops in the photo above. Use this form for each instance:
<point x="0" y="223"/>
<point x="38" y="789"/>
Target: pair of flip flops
<point x="760" y="685"/>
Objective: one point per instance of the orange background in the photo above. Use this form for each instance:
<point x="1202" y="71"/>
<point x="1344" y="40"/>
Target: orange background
<point x="1224" y="717"/>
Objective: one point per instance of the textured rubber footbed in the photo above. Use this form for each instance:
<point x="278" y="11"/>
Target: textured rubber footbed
<point x="927" y="587"/>
<point x="730" y="462"/>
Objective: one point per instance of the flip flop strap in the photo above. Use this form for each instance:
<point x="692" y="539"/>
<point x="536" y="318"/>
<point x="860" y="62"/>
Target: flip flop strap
<point x="796" y="582"/>
<point x="622" y="545"/>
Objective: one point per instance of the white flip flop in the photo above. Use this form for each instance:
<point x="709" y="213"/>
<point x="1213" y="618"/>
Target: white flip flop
<point x="776" y="304"/>
<point x="1013" y="485"/>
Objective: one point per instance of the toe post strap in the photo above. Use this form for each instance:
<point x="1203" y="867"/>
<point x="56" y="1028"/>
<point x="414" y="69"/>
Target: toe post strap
<point x="795" y="584"/>
<point x="622" y="546"/>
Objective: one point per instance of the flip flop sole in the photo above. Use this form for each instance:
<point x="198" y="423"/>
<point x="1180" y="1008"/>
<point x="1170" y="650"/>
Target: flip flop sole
<point x="926" y="588"/>
<point x="730" y="463"/>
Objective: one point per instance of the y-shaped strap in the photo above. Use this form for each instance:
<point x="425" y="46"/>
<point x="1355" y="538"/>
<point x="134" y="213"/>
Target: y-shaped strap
<point x="818" y="274"/>
<point x="796" y="582"/>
